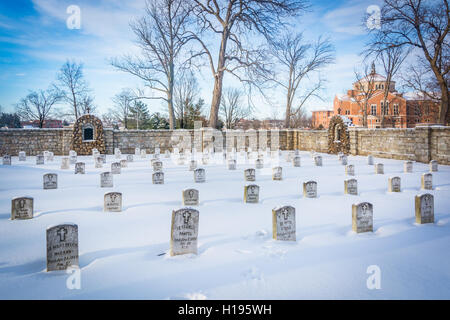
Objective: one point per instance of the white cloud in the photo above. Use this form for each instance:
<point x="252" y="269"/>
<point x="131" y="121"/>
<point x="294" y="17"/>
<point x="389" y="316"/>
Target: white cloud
<point x="348" y="19"/>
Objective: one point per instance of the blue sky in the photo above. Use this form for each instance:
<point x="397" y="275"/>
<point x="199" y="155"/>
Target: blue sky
<point x="35" y="42"/>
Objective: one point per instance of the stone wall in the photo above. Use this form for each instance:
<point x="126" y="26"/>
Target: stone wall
<point x="418" y="144"/>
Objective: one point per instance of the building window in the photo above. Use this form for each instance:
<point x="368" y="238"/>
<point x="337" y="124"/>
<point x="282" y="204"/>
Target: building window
<point x="339" y="110"/>
<point x="396" y="109"/>
<point x="373" y="109"/>
<point x="385" y="108"/>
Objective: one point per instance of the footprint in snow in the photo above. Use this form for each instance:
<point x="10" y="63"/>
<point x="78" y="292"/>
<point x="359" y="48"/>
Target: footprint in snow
<point x="253" y="274"/>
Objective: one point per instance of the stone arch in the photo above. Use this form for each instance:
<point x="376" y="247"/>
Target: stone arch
<point x="84" y="146"/>
<point x="338" y="138"/>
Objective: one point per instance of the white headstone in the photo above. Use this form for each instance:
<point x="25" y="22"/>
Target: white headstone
<point x="231" y="164"/>
<point x="370" y="160"/>
<point x="433" y="166"/>
<point x="137" y="151"/>
<point x="249" y="174"/>
<point x="117" y="153"/>
<point x="98" y="162"/>
<point x="251" y="193"/>
<point x="73" y="158"/>
<point x="424" y="204"/>
<point x="6" y="160"/>
<point x="427" y="181"/>
<point x="259" y="163"/>
<point x="394" y="184"/>
<point x="199" y="175"/>
<point x="283" y="223"/>
<point x="296" y="161"/>
<point x="318" y="160"/>
<point x="116" y="168"/>
<point x="184" y="231"/>
<point x="158" y="177"/>
<point x="106" y="180"/>
<point x="192" y="165"/>
<point x="50" y="181"/>
<point x="62" y="247"/>
<point x="157" y="165"/>
<point x="344" y="160"/>
<point x="80" y="168"/>
<point x="277" y="173"/>
<point x="350" y="170"/>
<point x="190" y="197"/>
<point x="39" y="159"/>
<point x="351" y="187"/>
<point x="22" y="156"/>
<point x="379" y="168"/>
<point x="22" y="208"/>
<point x="362" y="217"/>
<point x="310" y="189"/>
<point x="130" y="158"/>
<point x="143" y="153"/>
<point x="408" y="166"/>
<point x="123" y="163"/>
<point x="112" y="202"/>
<point x="65" y="163"/>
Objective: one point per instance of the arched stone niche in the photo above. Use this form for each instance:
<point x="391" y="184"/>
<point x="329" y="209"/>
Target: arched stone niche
<point x="338" y="139"/>
<point x="87" y="135"/>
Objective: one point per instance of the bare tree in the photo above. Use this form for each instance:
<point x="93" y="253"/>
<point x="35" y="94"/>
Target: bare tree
<point x="37" y="105"/>
<point x="232" y="108"/>
<point x="87" y="105"/>
<point x="365" y="82"/>
<point x="423" y="25"/>
<point x="73" y="88"/>
<point x="232" y="21"/>
<point x="298" y="60"/>
<point x="300" y="119"/>
<point x="161" y="35"/>
<point x="391" y="60"/>
<point x="420" y="79"/>
<point x="186" y="92"/>
<point x="122" y="105"/>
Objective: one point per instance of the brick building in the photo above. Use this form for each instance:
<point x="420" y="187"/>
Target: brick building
<point x="321" y="118"/>
<point x="47" y="124"/>
<point x="401" y="110"/>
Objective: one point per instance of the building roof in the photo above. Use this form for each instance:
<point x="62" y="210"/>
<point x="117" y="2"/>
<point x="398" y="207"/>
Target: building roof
<point x="324" y="110"/>
<point x="372" y="78"/>
<point x="417" y="96"/>
<point x="344" y="97"/>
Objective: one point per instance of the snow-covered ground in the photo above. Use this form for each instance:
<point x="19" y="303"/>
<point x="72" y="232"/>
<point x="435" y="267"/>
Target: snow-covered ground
<point x="122" y="254"/>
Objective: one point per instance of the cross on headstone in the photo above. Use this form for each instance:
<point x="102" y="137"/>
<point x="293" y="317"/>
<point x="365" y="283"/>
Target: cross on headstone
<point x="62" y="232"/>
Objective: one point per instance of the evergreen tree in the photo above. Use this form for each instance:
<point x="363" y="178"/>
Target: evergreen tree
<point x="10" y="120"/>
<point x="140" y="116"/>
